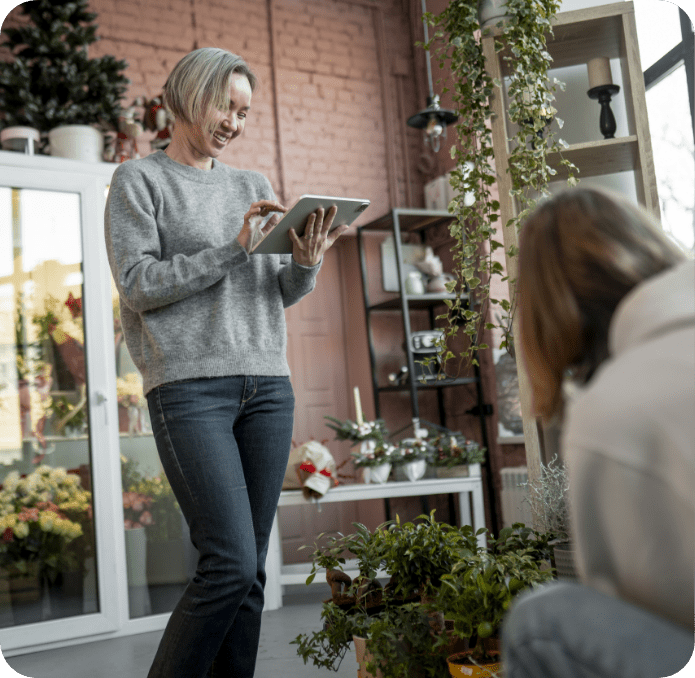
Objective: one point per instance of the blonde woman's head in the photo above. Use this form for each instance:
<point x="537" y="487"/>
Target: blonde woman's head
<point x="581" y="253"/>
<point x="199" y="84"/>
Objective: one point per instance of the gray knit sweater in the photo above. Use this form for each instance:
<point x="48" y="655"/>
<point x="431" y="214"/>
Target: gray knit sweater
<point x="193" y="302"/>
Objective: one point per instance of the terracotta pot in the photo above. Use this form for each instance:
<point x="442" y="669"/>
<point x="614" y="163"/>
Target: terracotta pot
<point x="363" y="657"/>
<point x="459" y="665"/>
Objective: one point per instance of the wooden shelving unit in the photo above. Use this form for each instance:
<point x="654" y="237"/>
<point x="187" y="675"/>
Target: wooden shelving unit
<point x="604" y="31"/>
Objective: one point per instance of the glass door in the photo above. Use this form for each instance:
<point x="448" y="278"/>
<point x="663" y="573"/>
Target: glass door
<point x="58" y="455"/>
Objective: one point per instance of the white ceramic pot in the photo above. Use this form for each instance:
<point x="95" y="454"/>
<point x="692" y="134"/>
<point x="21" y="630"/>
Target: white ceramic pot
<point x="377" y="474"/>
<point x="414" y="470"/>
<point x="77" y="142"/>
<point x="20" y="139"/>
<point x="491" y="12"/>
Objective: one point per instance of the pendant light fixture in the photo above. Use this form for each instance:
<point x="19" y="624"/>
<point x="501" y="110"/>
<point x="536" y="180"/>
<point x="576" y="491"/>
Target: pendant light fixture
<point x="432" y="119"/>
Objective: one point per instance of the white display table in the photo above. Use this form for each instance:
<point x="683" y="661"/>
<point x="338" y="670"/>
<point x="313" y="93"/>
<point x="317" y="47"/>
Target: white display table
<point x="469" y="490"/>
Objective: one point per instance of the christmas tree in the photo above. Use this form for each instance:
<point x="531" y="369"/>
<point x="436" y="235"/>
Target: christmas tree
<point x="51" y="80"/>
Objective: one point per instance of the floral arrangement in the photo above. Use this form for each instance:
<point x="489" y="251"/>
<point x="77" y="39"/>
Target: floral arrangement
<point x="40" y="515"/>
<point x="357" y="433"/>
<point x="149" y="502"/>
<point x="129" y="391"/>
<point x="375" y="454"/>
<point x="453" y="450"/>
<point x="412" y="449"/>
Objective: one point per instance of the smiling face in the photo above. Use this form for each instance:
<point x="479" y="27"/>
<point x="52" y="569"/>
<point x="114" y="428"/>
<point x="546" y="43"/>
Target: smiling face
<point x="201" y="142"/>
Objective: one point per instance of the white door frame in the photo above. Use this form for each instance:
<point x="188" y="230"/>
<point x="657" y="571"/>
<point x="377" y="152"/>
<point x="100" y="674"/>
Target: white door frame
<point x="89" y="180"/>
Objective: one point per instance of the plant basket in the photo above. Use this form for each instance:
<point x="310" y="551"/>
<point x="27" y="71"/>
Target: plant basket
<point x="565" y="562"/>
<point x="458" y="471"/>
<point x="459" y="665"/>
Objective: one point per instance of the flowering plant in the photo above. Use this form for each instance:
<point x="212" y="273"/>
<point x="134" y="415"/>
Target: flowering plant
<point x="40" y="515"/>
<point x="357" y="433"/>
<point x="129" y="391"/>
<point x="164" y="519"/>
<point x="411" y="449"/>
<point x="375" y="454"/>
<point x="453" y="449"/>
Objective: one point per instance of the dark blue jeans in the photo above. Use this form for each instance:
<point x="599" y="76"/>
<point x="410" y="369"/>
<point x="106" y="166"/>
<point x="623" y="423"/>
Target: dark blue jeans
<point x="224" y="444"/>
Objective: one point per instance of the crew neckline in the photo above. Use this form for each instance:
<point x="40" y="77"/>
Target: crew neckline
<point x="195" y="173"/>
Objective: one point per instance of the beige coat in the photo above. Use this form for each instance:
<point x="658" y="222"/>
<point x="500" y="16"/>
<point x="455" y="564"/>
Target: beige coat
<point x="629" y="442"/>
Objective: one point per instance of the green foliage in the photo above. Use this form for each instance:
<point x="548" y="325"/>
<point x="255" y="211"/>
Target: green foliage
<point x="480" y="588"/>
<point x="453" y="449"/>
<point x="531" y="94"/>
<point x="436" y="569"/>
<point x="417" y="555"/>
<point x="51" y="80"/>
<point x="327" y="647"/>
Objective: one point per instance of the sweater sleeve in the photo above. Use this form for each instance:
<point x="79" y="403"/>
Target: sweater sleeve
<point x="144" y="280"/>
<point x="296" y="281"/>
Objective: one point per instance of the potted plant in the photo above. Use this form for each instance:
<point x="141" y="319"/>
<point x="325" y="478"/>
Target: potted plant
<point x="476" y="595"/>
<point x="549" y="499"/>
<point x="411" y="457"/>
<point x="530" y="96"/>
<point x="53" y="86"/>
<point x="454" y="456"/>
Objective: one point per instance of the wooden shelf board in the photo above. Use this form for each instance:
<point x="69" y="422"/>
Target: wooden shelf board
<point x="432" y="384"/>
<point x="409" y="220"/>
<point x="596" y="158"/>
<point x="583" y="34"/>
<point x="421" y="301"/>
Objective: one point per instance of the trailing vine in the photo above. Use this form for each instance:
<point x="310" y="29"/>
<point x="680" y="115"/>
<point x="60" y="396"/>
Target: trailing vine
<point x="531" y="94"/>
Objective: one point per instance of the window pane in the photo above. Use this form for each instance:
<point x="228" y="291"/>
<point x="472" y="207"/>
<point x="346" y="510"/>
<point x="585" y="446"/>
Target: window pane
<point x="674" y="155"/>
<point x="658" y="29"/>
<point x="47" y="548"/>
<point x="159" y="553"/>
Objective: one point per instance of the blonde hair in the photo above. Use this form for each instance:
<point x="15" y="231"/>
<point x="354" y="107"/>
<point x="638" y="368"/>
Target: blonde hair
<point x="199" y="84"/>
<point x="581" y="253"/>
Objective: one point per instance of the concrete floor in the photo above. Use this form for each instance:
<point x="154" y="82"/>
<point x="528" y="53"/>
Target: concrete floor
<point x="130" y="657"/>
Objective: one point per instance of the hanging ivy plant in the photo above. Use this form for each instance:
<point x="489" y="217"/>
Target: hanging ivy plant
<point x="531" y="94"/>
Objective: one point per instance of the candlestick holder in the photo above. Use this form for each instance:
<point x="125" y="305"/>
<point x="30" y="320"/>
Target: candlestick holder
<point x="606" y="120"/>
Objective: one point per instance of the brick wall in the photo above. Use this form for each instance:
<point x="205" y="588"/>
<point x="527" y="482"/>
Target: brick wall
<point x="330" y="72"/>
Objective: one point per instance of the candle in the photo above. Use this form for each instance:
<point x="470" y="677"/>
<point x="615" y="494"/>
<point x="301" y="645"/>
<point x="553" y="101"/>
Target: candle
<point x="599" y="72"/>
<point x="358" y="407"/>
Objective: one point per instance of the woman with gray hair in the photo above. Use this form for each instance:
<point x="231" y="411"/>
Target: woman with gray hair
<point x="607" y="308"/>
<point x="204" y="323"/>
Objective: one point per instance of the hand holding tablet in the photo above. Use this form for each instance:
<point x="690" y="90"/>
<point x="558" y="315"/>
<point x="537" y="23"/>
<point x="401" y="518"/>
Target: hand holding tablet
<point x="310" y="230"/>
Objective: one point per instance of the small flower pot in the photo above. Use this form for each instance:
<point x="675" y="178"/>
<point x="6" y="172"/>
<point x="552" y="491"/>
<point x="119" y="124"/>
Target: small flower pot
<point x="414" y="470"/>
<point x="20" y="139"/>
<point x="78" y="142"/>
<point x="460" y="665"/>
<point x="565" y="562"/>
<point x="491" y="12"/>
<point x="376" y="474"/>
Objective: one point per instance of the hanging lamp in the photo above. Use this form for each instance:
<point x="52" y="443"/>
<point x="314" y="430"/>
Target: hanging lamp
<point x="433" y="119"/>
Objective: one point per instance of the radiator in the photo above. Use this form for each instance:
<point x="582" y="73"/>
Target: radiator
<point x="514" y="508"/>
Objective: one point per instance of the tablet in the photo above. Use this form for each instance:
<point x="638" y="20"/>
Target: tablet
<point x="278" y="240"/>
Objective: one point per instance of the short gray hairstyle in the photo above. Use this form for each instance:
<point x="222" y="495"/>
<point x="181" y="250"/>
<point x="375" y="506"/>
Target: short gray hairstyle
<point x="200" y="83"/>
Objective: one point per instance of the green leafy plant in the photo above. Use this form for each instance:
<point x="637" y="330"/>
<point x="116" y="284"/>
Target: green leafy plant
<point x="417" y="554"/>
<point x="51" y="80"/>
<point x="531" y="94"/>
<point x="478" y="592"/>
